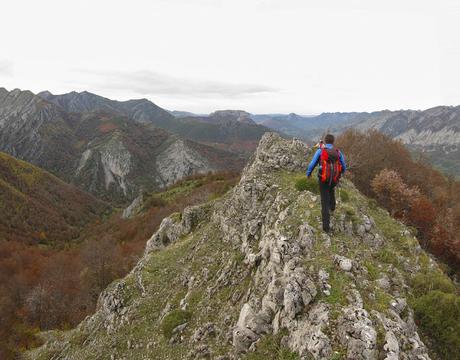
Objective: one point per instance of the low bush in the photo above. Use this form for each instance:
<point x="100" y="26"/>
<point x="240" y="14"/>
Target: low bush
<point x="343" y="194"/>
<point x="426" y="282"/>
<point x="438" y="314"/>
<point x="308" y="184"/>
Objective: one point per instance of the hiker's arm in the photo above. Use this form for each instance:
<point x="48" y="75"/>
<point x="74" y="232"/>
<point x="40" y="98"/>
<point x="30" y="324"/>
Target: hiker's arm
<point x="313" y="162"/>
<point x="342" y="162"/>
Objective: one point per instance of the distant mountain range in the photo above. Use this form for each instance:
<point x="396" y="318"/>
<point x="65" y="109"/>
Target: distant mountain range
<point x="435" y="131"/>
<point x="112" y="149"/>
<point x="228" y="129"/>
<point x="117" y="149"/>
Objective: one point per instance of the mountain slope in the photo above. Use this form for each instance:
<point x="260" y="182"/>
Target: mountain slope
<point x="227" y="129"/>
<point x="252" y="272"/>
<point x="104" y="151"/>
<point x="36" y="207"/>
<point x="121" y="158"/>
<point x="224" y="129"/>
<point x="34" y="130"/>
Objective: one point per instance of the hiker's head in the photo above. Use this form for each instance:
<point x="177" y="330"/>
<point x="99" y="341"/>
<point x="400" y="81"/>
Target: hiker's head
<point x="329" y="139"/>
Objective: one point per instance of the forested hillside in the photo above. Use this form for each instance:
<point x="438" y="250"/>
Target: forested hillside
<point x="51" y="280"/>
<point x="38" y="208"/>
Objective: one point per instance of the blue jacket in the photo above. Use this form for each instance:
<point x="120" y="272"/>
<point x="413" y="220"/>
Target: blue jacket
<point x="316" y="157"/>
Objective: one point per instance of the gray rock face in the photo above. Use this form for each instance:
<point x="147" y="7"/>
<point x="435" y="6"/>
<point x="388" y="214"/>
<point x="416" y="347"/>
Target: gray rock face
<point x="133" y="208"/>
<point x="31" y="128"/>
<point x="357" y="333"/>
<point x="172" y="228"/>
<point x="229" y="116"/>
<point x="178" y="161"/>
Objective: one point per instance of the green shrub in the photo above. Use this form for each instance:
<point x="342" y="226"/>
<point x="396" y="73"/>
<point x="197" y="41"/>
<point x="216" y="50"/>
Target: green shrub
<point x="174" y="319"/>
<point x="308" y="184"/>
<point x="344" y="196"/>
<point x="423" y="283"/>
<point x="372" y="203"/>
<point x="438" y="315"/>
<point x="153" y="201"/>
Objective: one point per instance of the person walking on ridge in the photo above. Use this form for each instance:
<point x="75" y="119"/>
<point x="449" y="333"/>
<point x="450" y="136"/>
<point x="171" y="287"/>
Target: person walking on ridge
<point x="331" y="166"/>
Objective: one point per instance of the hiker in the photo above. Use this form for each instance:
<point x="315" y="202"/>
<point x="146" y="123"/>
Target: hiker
<point x="331" y="166"/>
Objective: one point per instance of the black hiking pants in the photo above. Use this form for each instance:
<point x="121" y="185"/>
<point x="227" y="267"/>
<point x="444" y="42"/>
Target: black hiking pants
<point x="327" y="203"/>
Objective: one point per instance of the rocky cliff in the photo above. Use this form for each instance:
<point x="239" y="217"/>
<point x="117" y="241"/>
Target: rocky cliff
<point x="87" y="140"/>
<point x="251" y="275"/>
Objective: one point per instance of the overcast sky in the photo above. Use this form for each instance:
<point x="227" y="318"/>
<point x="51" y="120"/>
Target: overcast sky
<point x="262" y="56"/>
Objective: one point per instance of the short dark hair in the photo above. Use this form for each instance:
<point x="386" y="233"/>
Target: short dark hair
<point x="329" y="139"/>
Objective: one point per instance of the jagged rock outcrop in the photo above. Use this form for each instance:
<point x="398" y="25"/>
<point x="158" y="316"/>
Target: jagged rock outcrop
<point x="226" y="278"/>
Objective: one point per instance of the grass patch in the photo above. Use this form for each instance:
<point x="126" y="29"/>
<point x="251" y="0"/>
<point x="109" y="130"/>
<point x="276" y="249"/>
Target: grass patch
<point x="172" y="320"/>
<point x="298" y="180"/>
<point x="339" y="288"/>
<point x="307" y="184"/>
<point x="176" y="216"/>
<point x="382" y="301"/>
<point x="387" y="256"/>
<point x="372" y="204"/>
<point x="337" y="356"/>
<point x="270" y="348"/>
<point x="344" y="195"/>
<point x="372" y="270"/>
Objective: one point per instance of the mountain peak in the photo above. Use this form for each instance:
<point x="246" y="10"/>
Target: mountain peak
<point x="45" y="93"/>
<point x="233" y="115"/>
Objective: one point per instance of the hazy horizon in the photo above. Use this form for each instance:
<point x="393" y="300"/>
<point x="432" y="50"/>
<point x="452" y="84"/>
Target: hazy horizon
<point x="263" y="57"/>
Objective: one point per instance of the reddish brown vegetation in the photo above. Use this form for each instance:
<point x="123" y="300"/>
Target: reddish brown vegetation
<point x="37" y="207"/>
<point x="107" y="127"/>
<point x="46" y="288"/>
<point x="410" y="189"/>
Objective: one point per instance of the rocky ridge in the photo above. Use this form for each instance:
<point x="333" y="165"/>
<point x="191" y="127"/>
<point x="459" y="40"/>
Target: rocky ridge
<point x="224" y="279"/>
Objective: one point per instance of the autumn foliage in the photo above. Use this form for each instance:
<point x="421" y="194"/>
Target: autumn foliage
<point x="409" y="188"/>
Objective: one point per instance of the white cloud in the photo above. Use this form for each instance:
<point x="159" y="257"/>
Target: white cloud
<point x="260" y="55"/>
<point x="6" y="68"/>
<point x="147" y="82"/>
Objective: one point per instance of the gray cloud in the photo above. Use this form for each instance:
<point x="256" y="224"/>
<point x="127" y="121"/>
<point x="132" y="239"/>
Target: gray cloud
<point x="149" y="82"/>
<point x="6" y="68"/>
